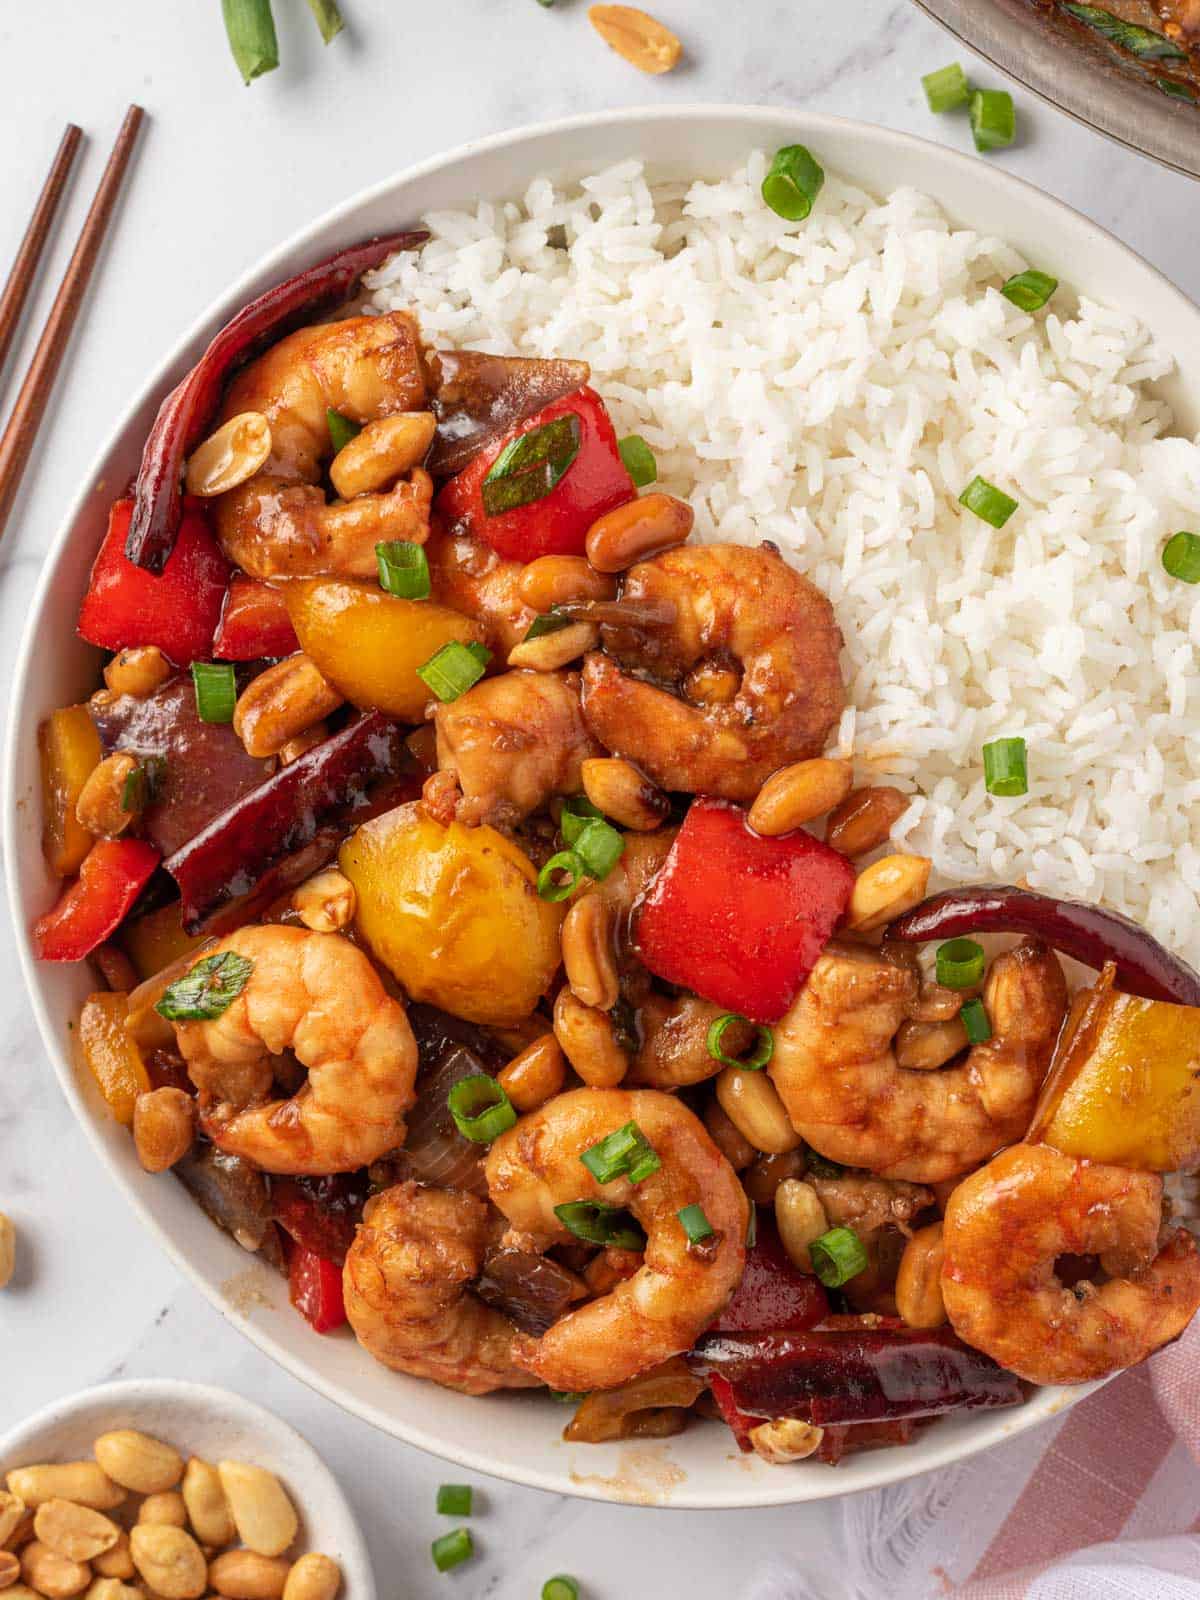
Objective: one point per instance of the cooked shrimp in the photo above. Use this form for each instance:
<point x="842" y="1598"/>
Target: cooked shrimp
<point x="1007" y="1225"/>
<point x="752" y="651"/>
<point x="315" y="994"/>
<point x="837" y="1074"/>
<point x="277" y="524"/>
<point x="514" y="741"/>
<point x="679" y="1288"/>
<point x="408" y="1298"/>
<point x="469" y="576"/>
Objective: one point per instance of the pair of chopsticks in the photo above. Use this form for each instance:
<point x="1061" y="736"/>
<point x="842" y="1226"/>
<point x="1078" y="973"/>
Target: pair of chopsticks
<point x="16" y="442"/>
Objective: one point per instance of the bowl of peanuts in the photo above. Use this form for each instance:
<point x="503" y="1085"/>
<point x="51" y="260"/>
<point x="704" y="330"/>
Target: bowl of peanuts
<point x="175" y="1490"/>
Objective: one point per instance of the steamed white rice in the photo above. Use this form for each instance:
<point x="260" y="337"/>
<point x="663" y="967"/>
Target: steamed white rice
<point x="833" y="387"/>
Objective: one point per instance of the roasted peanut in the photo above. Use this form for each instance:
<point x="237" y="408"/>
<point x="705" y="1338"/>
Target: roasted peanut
<point x="619" y="790"/>
<point x="101" y="807"/>
<point x="640" y="528"/>
<point x="865" y="818"/>
<point x="22" y="1533"/>
<point x="381" y="452"/>
<point x="797" y="794"/>
<point x="554" y="650"/>
<point x="262" y="1512"/>
<point x="536" y="1075"/>
<point x="786" y="1439"/>
<point x="761" y="1181"/>
<point x="326" y="902"/>
<point x="164" y="1127"/>
<point x="281" y="703"/>
<point x="734" y="1146"/>
<point x="925" y="1046"/>
<point x="118" y="972"/>
<point x="750" y="1101"/>
<point x="138" y="672"/>
<point x="74" y="1531"/>
<point x="229" y="456"/>
<point x="165" y="1509"/>
<point x="243" y="1575"/>
<point x="137" y="1461"/>
<point x="313" y="1577"/>
<point x="886" y="889"/>
<point x="641" y="39"/>
<point x="919" y="1280"/>
<point x="302" y="744"/>
<point x="587" y="953"/>
<point x="169" y="1560"/>
<point x="55" y="1576"/>
<point x="552" y="580"/>
<point x="587" y="1036"/>
<point x="12" y="1514"/>
<point x="117" y="1562"/>
<point x="207" y="1508"/>
<point x="10" y="1568"/>
<point x="85" y="1482"/>
<point x="800" y="1218"/>
<point x="113" y="1589"/>
<point x="20" y="1591"/>
<point x="8" y="1252"/>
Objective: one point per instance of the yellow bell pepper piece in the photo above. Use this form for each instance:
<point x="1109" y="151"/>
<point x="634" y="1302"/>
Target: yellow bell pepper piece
<point x="70" y="749"/>
<point x="110" y="1055"/>
<point x="1124" y="1086"/>
<point x="152" y="942"/>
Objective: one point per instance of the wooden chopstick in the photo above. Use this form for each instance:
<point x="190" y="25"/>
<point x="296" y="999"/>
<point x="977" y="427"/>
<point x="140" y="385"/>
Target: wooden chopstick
<point x="16" y="442"/>
<point x="20" y="279"/>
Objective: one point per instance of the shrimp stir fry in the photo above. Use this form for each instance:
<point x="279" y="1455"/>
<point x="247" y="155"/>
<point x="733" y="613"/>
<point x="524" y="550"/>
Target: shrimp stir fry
<point x="510" y="857"/>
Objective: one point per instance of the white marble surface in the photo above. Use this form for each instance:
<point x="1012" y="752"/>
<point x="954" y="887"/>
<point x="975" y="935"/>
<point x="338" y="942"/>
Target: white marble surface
<point x="223" y="173"/>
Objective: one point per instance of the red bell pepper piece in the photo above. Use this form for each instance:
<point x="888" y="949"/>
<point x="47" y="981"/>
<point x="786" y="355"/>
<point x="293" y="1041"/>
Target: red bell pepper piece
<point x="315" y="1289"/>
<point x="125" y="607"/>
<point x="320" y="1214"/>
<point x="738" y="918"/>
<point x="557" y="524"/>
<point x="773" y="1293"/>
<point x="113" y="874"/>
<point x="739" y="1422"/>
<point x="189" y="408"/>
<point x="254" y="623"/>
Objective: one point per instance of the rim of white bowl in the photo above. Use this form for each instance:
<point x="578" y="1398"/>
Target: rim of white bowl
<point x="882" y="1467"/>
<point x="139" y="1393"/>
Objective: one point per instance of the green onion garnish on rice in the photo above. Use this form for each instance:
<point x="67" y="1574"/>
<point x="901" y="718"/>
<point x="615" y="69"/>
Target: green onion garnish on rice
<point x="1004" y="767"/>
<point x="793" y="183"/>
<point x="987" y="502"/>
<point x="1030" y="290"/>
<point x="1181" y="556"/>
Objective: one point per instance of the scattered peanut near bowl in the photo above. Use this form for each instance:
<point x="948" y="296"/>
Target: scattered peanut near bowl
<point x="142" y="1521"/>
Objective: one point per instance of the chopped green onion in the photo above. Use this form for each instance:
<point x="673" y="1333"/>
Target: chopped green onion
<point x="1176" y="90"/>
<point x="341" y="429"/>
<point x="452" y="670"/>
<point x="560" y="1587"/>
<point x="947" y="88"/>
<point x="987" y="502"/>
<point x="837" y="1256"/>
<point x="216" y="690"/>
<point x="403" y="569"/>
<point x="793" y="183"/>
<point x="529" y="467"/>
<point x="329" y="18"/>
<point x="993" y="120"/>
<point x="1004" y="767"/>
<point x="553" y="888"/>
<point x="452" y="1549"/>
<point x="251" y="31"/>
<point x="454" y="1499"/>
<point x="627" y="1153"/>
<point x="975" y="1021"/>
<point x="695" y="1224"/>
<point x="599" y="1223"/>
<point x="480" y="1108"/>
<point x="1181" y="556"/>
<point x="959" y="963"/>
<point x="206" y="990"/>
<point x="599" y="846"/>
<point x="1029" y="290"/>
<point x="639" y="459"/>
<point x="577" y="812"/>
<point x="142" y="783"/>
<point x="568" y="1397"/>
<point x="764" y="1047"/>
<point x="1143" y="42"/>
<point x="552" y="621"/>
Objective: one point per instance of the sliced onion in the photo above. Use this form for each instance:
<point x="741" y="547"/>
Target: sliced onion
<point x="434" y="1151"/>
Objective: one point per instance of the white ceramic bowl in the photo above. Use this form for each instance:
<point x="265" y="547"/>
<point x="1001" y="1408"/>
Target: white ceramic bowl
<point x="217" y="1426"/>
<point x="517" y="1437"/>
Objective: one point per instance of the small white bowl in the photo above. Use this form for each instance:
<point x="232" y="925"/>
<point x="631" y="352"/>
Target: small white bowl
<point x="216" y="1425"/>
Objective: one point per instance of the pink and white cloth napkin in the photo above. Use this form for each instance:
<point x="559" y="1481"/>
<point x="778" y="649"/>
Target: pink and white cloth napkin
<point x="1101" y="1504"/>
